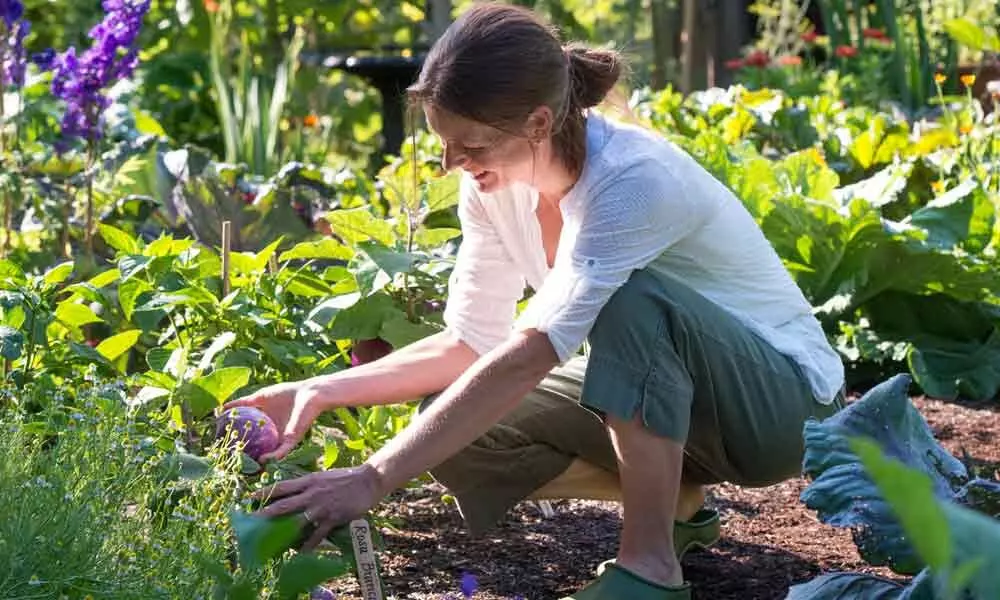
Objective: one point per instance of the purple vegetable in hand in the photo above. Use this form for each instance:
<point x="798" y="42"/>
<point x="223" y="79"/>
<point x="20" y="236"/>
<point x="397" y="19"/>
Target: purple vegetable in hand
<point x="321" y="593"/>
<point x="252" y="427"/>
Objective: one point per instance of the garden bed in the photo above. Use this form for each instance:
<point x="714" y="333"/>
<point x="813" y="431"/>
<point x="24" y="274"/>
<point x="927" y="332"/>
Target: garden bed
<point x="770" y="539"/>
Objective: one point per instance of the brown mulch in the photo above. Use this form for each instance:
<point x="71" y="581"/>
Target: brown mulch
<point x="770" y="542"/>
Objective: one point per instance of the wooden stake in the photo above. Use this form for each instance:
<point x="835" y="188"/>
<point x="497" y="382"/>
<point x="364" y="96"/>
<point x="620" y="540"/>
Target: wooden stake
<point x="369" y="578"/>
<point x="226" y="242"/>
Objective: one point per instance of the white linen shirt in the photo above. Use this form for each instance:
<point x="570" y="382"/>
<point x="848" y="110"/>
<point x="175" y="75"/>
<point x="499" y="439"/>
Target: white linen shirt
<point x="640" y="202"/>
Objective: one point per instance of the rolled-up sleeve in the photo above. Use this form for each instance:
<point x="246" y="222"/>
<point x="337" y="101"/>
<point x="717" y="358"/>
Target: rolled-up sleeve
<point x="621" y="227"/>
<point x="485" y="284"/>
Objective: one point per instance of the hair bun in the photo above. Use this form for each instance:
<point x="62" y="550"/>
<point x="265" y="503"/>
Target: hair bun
<point x="593" y="72"/>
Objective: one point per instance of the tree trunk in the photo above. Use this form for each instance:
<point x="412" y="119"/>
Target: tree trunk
<point x="664" y="41"/>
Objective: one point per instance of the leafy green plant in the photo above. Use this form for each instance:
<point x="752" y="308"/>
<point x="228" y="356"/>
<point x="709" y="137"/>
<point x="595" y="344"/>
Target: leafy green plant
<point x="86" y="510"/>
<point x="251" y="104"/>
<point x="849" y="197"/>
<point x="877" y="469"/>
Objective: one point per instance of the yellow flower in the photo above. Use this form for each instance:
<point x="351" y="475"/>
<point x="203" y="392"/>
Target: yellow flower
<point x="940" y="78"/>
<point x="964" y="129"/>
<point x="937" y="186"/>
<point x="968" y="79"/>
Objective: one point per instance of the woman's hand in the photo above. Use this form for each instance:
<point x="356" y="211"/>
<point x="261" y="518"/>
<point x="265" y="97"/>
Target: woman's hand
<point x="326" y="499"/>
<point x="293" y="406"/>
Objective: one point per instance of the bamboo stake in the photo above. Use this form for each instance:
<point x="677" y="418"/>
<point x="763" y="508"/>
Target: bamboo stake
<point x="226" y="242"/>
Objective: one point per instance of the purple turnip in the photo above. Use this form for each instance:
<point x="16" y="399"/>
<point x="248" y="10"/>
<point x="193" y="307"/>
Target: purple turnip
<point x="366" y="351"/>
<point x="252" y="427"/>
<point x="321" y="593"/>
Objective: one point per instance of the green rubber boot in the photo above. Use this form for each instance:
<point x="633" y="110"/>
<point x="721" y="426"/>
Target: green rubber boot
<point x="616" y="583"/>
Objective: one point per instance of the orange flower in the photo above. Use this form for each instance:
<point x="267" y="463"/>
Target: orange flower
<point x="872" y="33"/>
<point x="965" y="129"/>
<point x="790" y="60"/>
<point x="846" y="51"/>
<point x="310" y="121"/>
<point x="211" y="6"/>
<point x="937" y="186"/>
<point x="968" y="79"/>
<point x="940" y="78"/>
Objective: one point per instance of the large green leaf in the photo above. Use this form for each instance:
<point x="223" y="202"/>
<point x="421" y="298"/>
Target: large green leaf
<point x="306" y="284"/>
<point x="954" y="345"/>
<point x="118" y="239"/>
<point x="364" y="319"/>
<point x="358" y="224"/>
<point x="129" y="293"/>
<point x="400" y="331"/>
<point x="220" y="343"/>
<point x="442" y="192"/>
<point x="327" y="249"/>
<point x="950" y="219"/>
<point x="303" y="572"/>
<point x="910" y="495"/>
<point x="117" y="345"/>
<point x="962" y="546"/>
<point x="76" y="315"/>
<point x="858" y="586"/>
<point x="223" y="383"/>
<point x="947" y="368"/>
<point x="966" y="32"/>
<point x="58" y="274"/>
<point x="261" y="539"/>
<point x="322" y="315"/>
<point x="844" y="495"/>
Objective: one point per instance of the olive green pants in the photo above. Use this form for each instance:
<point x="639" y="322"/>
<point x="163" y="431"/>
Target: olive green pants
<point x="659" y="350"/>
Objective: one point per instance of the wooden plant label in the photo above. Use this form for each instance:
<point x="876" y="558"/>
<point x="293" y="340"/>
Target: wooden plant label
<point x="364" y="555"/>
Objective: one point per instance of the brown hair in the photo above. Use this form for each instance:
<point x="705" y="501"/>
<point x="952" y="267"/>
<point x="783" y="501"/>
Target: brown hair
<point x="497" y="63"/>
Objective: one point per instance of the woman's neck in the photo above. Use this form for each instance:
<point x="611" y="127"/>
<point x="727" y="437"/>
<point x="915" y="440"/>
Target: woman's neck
<point x="553" y="180"/>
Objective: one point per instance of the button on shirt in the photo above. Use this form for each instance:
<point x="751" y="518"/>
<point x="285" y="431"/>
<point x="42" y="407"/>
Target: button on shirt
<point x="640" y="202"/>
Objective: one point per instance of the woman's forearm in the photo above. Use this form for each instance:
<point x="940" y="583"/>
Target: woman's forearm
<point x="412" y="372"/>
<point x="479" y="398"/>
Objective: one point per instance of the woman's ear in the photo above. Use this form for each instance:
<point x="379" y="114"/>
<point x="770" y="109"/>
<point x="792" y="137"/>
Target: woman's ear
<point x="539" y="124"/>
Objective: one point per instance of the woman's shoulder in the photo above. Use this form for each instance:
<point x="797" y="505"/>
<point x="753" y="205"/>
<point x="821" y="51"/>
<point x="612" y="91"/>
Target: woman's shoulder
<point x="627" y="159"/>
<point x="617" y="147"/>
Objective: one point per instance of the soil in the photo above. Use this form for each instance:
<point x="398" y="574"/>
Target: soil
<point x="770" y="540"/>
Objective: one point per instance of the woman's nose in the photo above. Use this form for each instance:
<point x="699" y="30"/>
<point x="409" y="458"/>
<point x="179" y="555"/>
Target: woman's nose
<point x="452" y="159"/>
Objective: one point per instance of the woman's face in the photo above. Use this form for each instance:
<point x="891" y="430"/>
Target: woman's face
<point x="493" y="157"/>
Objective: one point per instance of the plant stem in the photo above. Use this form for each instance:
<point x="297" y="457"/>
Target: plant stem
<point x="29" y="357"/>
<point x="88" y="238"/>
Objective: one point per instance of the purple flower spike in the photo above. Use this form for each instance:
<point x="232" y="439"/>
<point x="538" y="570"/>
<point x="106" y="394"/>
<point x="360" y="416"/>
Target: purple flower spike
<point x="80" y="80"/>
<point x="14" y="57"/>
<point x="11" y="11"/>
<point x="469" y="585"/>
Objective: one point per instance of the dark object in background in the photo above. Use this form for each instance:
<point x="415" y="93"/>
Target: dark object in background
<point x="366" y="351"/>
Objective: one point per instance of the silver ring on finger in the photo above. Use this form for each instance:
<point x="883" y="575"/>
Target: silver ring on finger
<point x="308" y="517"/>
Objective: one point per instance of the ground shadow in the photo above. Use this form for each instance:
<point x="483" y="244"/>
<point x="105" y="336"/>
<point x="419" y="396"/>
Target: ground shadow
<point x="541" y="558"/>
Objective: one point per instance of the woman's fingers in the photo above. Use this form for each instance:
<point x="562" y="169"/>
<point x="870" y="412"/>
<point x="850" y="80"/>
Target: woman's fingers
<point x="241" y="402"/>
<point x="282" y="489"/>
<point x="291" y="504"/>
<point x="324" y="527"/>
<point x="287" y="445"/>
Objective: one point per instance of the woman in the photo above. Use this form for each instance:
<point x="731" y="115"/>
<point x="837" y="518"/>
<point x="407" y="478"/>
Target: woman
<point x="703" y="358"/>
